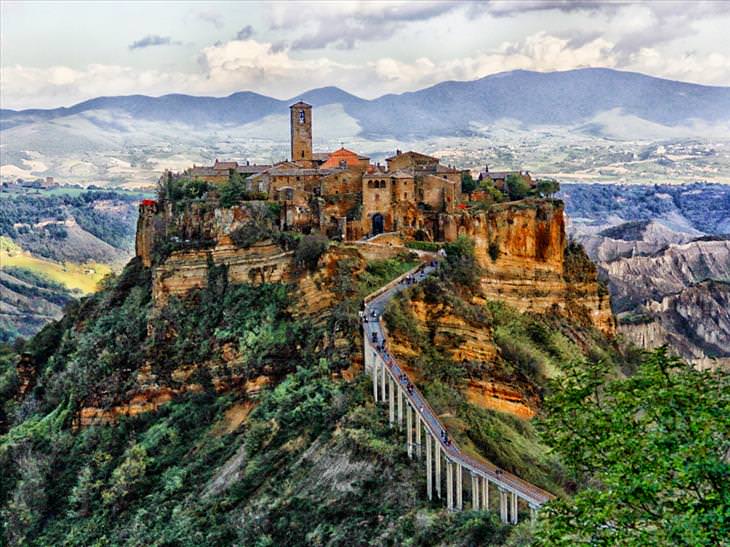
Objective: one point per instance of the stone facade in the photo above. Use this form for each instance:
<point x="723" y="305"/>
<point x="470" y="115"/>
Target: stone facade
<point x="300" y="115"/>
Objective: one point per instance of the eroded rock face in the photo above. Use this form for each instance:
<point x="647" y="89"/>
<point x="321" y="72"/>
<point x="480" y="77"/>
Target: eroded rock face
<point x="520" y="246"/>
<point x="695" y="322"/>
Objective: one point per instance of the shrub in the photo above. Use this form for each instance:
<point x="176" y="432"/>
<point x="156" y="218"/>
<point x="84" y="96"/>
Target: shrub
<point x="310" y="250"/>
<point x="493" y="250"/>
<point x="517" y="187"/>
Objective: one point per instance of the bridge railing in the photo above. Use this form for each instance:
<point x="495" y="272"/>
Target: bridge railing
<point x="530" y="493"/>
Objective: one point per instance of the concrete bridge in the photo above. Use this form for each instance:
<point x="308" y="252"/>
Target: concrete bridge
<point x="445" y="464"/>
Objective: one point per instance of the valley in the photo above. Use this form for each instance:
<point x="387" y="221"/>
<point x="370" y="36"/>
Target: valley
<point x="665" y="253"/>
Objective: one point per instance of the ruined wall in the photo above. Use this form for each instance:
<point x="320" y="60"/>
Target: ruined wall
<point x="520" y="246"/>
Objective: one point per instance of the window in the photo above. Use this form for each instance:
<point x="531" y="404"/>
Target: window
<point x="301" y="117"/>
<point x="405" y="195"/>
<point x="377" y="197"/>
<point x="302" y="150"/>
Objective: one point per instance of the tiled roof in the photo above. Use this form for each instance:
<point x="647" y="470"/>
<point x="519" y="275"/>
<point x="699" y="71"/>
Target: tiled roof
<point x="401" y="174"/>
<point x="225" y="164"/>
<point x="412" y="154"/>
<point x="251" y="169"/>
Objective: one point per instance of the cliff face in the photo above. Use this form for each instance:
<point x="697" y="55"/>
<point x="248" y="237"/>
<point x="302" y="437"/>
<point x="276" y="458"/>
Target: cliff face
<point x="521" y="249"/>
<point x="695" y="322"/>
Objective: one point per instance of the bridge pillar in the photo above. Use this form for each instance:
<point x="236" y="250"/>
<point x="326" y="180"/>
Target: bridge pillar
<point x="485" y="493"/>
<point x="513" y="511"/>
<point x="375" y="377"/>
<point x="418" y="434"/>
<point x="400" y="407"/>
<point x="429" y="471"/>
<point x="503" y="509"/>
<point x="459" y="488"/>
<point x="382" y="379"/>
<point x="391" y="400"/>
<point x="449" y="485"/>
<point x="409" y="429"/>
<point x="533" y="514"/>
<point x="437" y="456"/>
<point x="474" y="491"/>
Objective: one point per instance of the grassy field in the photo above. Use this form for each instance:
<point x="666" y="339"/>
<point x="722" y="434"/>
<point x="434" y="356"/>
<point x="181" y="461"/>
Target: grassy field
<point x="83" y="277"/>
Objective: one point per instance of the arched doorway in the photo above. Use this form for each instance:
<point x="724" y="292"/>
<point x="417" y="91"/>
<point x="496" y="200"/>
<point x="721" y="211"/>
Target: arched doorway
<point x="377" y="224"/>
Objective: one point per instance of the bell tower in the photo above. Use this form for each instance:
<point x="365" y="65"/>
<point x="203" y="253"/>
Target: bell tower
<point x="301" y="133"/>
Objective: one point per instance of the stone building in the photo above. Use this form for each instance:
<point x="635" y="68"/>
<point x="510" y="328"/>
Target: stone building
<point x="341" y="193"/>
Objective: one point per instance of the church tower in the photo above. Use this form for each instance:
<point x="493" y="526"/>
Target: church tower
<point x="301" y="133"/>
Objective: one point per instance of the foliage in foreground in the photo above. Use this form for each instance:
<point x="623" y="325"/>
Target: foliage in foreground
<point x="654" y="447"/>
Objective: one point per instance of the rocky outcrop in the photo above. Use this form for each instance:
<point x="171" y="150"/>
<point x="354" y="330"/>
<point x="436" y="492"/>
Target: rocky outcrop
<point x="638" y="279"/>
<point x="263" y="262"/>
<point x="694" y="322"/>
<point x="521" y="249"/>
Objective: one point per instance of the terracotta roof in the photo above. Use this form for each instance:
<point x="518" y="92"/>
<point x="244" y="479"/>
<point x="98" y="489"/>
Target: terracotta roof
<point x="301" y="104"/>
<point x="401" y="174"/>
<point x="412" y="154"/>
<point x="293" y="171"/>
<point x="225" y="164"/>
<point x="343" y="154"/>
<point x="250" y="169"/>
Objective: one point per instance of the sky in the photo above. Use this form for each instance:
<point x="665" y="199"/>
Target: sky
<point x="60" y="53"/>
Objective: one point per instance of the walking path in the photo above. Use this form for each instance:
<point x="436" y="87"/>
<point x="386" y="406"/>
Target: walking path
<point x="391" y="383"/>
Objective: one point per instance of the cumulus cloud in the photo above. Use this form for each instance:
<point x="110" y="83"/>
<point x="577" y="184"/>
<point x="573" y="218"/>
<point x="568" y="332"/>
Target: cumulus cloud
<point x="245" y="33"/>
<point x="279" y="71"/>
<point x="152" y="40"/>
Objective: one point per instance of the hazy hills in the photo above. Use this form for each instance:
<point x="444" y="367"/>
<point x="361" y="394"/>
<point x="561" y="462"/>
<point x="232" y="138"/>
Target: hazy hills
<point x="588" y="124"/>
<point x="446" y="109"/>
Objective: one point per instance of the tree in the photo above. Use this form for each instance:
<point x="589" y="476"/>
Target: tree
<point x="310" y="250"/>
<point x="547" y="188"/>
<point x="233" y="191"/>
<point x="468" y="184"/>
<point x="652" y="449"/>
<point x="517" y="187"/>
<point x="461" y="266"/>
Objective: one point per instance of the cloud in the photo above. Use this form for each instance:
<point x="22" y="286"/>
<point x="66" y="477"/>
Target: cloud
<point x="152" y="40"/>
<point x="344" y="24"/>
<point x="211" y="16"/>
<point x="279" y="71"/>
<point x="245" y="33"/>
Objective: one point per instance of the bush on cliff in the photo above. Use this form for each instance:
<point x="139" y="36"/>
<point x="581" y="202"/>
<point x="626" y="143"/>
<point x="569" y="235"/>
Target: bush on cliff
<point x="654" y="447"/>
<point x="310" y="250"/>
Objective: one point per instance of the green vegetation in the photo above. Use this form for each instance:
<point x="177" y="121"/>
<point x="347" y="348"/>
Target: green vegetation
<point x="468" y="184"/>
<point x="653" y="446"/>
<point x="20" y="215"/>
<point x="313" y="463"/>
<point x="431" y="246"/>
<point x="310" y="250"/>
<point x="517" y="187"/>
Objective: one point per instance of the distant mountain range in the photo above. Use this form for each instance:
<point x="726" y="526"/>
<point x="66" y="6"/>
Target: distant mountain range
<point x="452" y="108"/>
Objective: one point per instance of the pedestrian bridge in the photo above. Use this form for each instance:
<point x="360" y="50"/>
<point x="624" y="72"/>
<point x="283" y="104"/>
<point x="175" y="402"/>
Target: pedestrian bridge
<point x="445" y="463"/>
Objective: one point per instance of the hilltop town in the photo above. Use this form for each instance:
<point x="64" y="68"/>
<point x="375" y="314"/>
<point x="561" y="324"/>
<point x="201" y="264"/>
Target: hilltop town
<point x="345" y="195"/>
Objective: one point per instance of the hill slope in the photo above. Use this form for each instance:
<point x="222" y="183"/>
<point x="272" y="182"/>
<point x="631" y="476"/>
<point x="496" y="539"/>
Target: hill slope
<point x="448" y="108"/>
